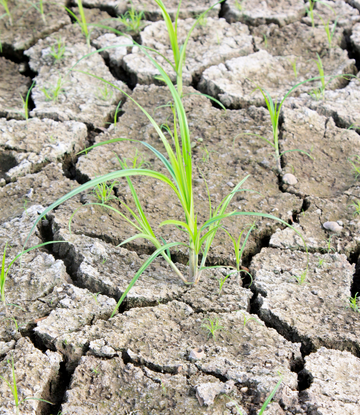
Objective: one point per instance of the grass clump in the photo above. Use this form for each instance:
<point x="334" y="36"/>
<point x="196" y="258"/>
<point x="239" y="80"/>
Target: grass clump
<point x="177" y="162"/>
<point x="132" y="20"/>
<point x="58" y="49"/>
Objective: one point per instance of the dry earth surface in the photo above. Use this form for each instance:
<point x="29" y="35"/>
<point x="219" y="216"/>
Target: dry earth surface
<point x="288" y="318"/>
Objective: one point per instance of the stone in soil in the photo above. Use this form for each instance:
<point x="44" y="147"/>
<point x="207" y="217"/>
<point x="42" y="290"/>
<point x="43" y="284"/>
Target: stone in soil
<point x="258" y="12"/>
<point x="161" y="338"/>
<point x="330" y="148"/>
<point x="32" y="144"/>
<point x="17" y="197"/>
<point x="209" y="44"/>
<point x="37" y="376"/>
<point x="341" y="395"/>
<point x="233" y="82"/>
<point x="331" y="11"/>
<point x="223" y="155"/>
<point x="28" y="25"/>
<point x="316" y="312"/>
<point x="80" y="96"/>
<point x="13" y="86"/>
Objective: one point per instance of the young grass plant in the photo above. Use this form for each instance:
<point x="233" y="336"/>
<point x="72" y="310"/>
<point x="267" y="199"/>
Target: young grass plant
<point x="212" y="326"/>
<point x="25" y="112"/>
<point x="353" y="303"/>
<point x="329" y="32"/>
<point x="132" y="20"/>
<point x="14" y="390"/>
<point x="58" y="49"/>
<point x="5" y="5"/>
<point x="52" y="93"/>
<point x="81" y="21"/>
<point x="178" y="164"/>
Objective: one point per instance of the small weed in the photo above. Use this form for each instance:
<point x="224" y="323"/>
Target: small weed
<point x="247" y="319"/>
<point x="316" y="94"/>
<point x="132" y="20"/>
<point x="95" y="370"/>
<point x="354" y="160"/>
<point x="117" y="111"/>
<point x="357" y="207"/>
<point x="321" y="262"/>
<point x="329" y="32"/>
<point x="14" y="389"/>
<point x="301" y="278"/>
<point x="293" y="64"/>
<point x="265" y="41"/>
<point x="103" y="192"/>
<point x="105" y="93"/>
<point x="57" y="50"/>
<point x="353" y="303"/>
<point x="239" y="5"/>
<point x="212" y="327"/>
<point x="328" y="248"/>
<point x="95" y="296"/>
<point x="163" y="388"/>
<point x="52" y="93"/>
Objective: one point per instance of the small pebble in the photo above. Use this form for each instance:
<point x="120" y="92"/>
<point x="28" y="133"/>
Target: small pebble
<point x="332" y="226"/>
<point x="289" y="178"/>
<point x="230" y="184"/>
<point x="197" y="353"/>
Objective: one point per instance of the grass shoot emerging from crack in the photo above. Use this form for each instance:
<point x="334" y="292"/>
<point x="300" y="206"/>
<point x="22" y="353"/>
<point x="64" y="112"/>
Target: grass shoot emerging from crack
<point x="178" y="163"/>
<point x="353" y="303"/>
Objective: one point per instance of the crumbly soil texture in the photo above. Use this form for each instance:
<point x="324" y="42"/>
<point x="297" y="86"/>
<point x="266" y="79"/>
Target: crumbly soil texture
<point x="290" y="319"/>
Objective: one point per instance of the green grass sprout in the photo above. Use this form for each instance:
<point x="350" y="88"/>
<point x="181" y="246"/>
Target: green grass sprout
<point x="354" y="160"/>
<point x="57" y="50"/>
<point x="247" y="319"/>
<point x="132" y="20"/>
<point x="81" y="21"/>
<point x="212" y="326"/>
<point x="353" y="303"/>
<point x="103" y="192"/>
<point x="293" y="64"/>
<point x="52" y="93"/>
<point x="357" y="207"/>
<point x="105" y="93"/>
<point x="329" y="32"/>
<point x="301" y="278"/>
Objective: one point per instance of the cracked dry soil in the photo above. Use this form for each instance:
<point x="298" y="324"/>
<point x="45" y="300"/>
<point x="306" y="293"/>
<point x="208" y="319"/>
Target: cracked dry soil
<point x="154" y="356"/>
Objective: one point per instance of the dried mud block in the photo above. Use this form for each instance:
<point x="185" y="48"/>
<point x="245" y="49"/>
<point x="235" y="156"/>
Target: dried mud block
<point x="101" y="267"/>
<point x="258" y="12"/>
<point x="318" y="211"/>
<point x="75" y="308"/>
<point x="355" y="38"/>
<point x="209" y="44"/>
<point x="330" y="147"/>
<point x="13" y="86"/>
<point x="80" y="96"/>
<point x="334" y="385"/>
<point x="117" y="48"/>
<point x="317" y="312"/>
<point x="233" y="82"/>
<point x="28" y="25"/>
<point x="112" y="6"/>
<point x="296" y="39"/>
<point x="222" y="152"/>
<point x="331" y="11"/>
<point x="35" y="143"/>
<point x="39" y="188"/>
<point x="142" y="390"/>
<point x="37" y="375"/>
<point x="161" y="338"/>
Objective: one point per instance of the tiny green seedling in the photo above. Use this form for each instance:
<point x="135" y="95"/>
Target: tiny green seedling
<point x="265" y="404"/>
<point x="265" y="41"/>
<point x="212" y="327"/>
<point x="95" y="370"/>
<point x="117" y="111"/>
<point x="310" y="11"/>
<point x="321" y="262"/>
<point x="95" y="296"/>
<point x="328" y="248"/>
<point x="105" y="93"/>
<point x="239" y="5"/>
<point x="57" y="50"/>
<point x="103" y="192"/>
<point x="132" y="20"/>
<point x="247" y="319"/>
<point x="163" y="387"/>
<point x="25" y="102"/>
<point x="353" y="303"/>
<point x="301" y="278"/>
<point x="52" y="93"/>
<point x="354" y="160"/>
<point x="357" y="207"/>
<point x="293" y="64"/>
<point x="329" y="32"/>
<point x="320" y="67"/>
<point x="14" y="390"/>
<point x="5" y="5"/>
